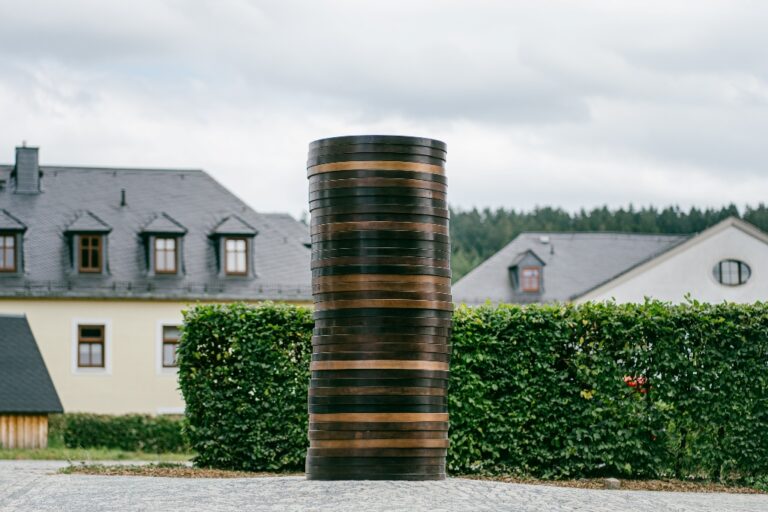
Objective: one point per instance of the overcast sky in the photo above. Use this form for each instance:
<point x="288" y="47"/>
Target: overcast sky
<point x="571" y="104"/>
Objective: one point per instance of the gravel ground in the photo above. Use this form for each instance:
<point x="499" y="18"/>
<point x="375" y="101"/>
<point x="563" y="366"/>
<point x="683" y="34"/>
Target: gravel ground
<point x="30" y="486"/>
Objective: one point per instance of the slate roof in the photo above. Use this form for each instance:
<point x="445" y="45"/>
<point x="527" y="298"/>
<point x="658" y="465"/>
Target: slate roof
<point x="25" y="385"/>
<point x="574" y="264"/>
<point x="234" y="225"/>
<point x="164" y="224"/>
<point x="86" y="222"/>
<point x="90" y="198"/>
<point x="10" y="223"/>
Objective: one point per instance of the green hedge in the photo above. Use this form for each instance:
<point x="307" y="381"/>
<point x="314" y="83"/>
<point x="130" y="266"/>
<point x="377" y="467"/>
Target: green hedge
<point x="244" y="373"/>
<point x="130" y="432"/>
<point x="636" y="390"/>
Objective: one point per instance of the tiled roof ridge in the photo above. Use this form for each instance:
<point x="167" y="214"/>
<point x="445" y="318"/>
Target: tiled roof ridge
<point x="99" y="168"/>
<point x="603" y="233"/>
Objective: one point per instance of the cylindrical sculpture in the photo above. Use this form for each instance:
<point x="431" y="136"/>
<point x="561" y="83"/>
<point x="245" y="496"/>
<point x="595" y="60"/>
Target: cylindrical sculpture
<point x="381" y="281"/>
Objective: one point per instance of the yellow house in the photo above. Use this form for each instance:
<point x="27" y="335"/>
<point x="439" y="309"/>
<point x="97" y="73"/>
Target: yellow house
<point x="103" y="261"/>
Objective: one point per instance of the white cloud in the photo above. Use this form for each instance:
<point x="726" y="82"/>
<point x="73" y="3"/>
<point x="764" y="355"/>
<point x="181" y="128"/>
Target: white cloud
<point x="550" y="103"/>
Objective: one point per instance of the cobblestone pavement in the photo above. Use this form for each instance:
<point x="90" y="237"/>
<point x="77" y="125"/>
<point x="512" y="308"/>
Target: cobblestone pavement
<point x="31" y="486"/>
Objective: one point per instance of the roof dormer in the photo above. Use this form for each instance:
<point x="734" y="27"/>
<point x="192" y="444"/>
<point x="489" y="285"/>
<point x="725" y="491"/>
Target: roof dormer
<point x="164" y="243"/>
<point x="88" y="243"/>
<point x="233" y="241"/>
<point x="526" y="273"/>
<point x="11" y="235"/>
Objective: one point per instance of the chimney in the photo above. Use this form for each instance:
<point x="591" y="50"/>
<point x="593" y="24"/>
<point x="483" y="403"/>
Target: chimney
<point x="27" y="170"/>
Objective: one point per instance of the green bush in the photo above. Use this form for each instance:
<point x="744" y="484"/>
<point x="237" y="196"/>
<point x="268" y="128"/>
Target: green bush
<point x="130" y="432"/>
<point x="244" y="374"/>
<point x="555" y="391"/>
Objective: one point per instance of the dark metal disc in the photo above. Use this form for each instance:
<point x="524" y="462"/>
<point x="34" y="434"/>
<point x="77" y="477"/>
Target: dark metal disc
<point x="372" y="173"/>
<point x="401" y="140"/>
<point x="373" y="157"/>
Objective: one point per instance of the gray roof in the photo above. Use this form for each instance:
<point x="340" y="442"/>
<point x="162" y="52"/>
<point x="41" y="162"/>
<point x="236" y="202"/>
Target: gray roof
<point x="25" y="385"/>
<point x="234" y="225"/>
<point x="86" y="222"/>
<point x="574" y="264"/>
<point x="164" y="224"/>
<point x="90" y="199"/>
<point x="10" y="223"/>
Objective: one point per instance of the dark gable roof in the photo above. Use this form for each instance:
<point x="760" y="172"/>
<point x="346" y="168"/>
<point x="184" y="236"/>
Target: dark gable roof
<point x="10" y="223"/>
<point x="234" y="225"/>
<point x="523" y="255"/>
<point x="86" y="222"/>
<point x="25" y="385"/>
<point x="75" y="198"/>
<point x="163" y="224"/>
<point x="575" y="263"/>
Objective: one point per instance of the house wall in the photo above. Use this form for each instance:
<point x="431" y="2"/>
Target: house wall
<point x="690" y="271"/>
<point x="133" y="380"/>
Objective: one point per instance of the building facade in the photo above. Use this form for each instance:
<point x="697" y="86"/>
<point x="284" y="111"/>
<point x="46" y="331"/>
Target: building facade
<point x="103" y="261"/>
<point x="727" y="262"/>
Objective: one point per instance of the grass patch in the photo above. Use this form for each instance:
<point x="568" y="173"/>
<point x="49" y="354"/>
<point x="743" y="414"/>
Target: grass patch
<point x="90" y="454"/>
<point x="162" y="469"/>
<point x="669" y="485"/>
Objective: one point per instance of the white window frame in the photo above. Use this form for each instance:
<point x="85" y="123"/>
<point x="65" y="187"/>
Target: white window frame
<point x="159" y="368"/>
<point x="170" y="410"/>
<point x="107" y="323"/>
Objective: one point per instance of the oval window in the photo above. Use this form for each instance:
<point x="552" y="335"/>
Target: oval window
<point x="732" y="272"/>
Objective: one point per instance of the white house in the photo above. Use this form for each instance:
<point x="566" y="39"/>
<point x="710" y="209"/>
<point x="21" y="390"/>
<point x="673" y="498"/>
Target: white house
<point x="727" y="262"/>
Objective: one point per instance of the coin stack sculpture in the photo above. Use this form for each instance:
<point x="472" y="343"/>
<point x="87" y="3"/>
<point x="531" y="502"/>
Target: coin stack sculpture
<point x="381" y="281"/>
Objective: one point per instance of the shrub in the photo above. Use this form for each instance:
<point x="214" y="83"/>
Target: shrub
<point x="555" y="391"/>
<point x="244" y="374"/>
<point x="130" y="432"/>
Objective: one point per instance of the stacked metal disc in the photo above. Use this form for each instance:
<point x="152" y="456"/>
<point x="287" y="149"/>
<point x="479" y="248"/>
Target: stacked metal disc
<point x="382" y="289"/>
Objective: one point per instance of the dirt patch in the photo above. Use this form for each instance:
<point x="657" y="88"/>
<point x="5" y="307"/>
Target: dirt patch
<point x="163" y="470"/>
<point x="628" y="485"/>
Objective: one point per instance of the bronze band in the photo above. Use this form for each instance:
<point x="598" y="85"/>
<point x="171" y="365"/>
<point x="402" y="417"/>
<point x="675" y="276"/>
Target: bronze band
<point x="380" y="165"/>
<point x="378" y="364"/>
<point x="378" y="417"/>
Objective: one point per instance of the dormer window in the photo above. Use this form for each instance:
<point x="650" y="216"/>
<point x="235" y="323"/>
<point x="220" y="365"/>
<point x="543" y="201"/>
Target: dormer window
<point x="163" y="239"/>
<point x="165" y="255"/>
<point x="90" y="252"/>
<point x="233" y="241"/>
<point x="11" y="235"/>
<point x="530" y="279"/>
<point x="526" y="273"/>
<point x="235" y="256"/>
<point x="88" y="238"/>
<point x="7" y="252"/>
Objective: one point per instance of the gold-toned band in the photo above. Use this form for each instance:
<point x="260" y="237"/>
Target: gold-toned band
<point x="384" y="303"/>
<point x="375" y="165"/>
<point x="388" y="278"/>
<point x="379" y="364"/>
<point x="377" y="417"/>
<point x="378" y="443"/>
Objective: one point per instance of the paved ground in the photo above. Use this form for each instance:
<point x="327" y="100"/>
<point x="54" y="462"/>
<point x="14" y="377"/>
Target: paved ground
<point x="31" y="486"/>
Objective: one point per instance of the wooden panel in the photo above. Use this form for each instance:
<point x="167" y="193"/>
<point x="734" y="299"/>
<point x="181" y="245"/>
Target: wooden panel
<point x="379" y="165"/>
<point x="382" y="290"/>
<point x="378" y="224"/>
<point x="379" y="443"/>
<point x="378" y="364"/>
<point x="23" y="431"/>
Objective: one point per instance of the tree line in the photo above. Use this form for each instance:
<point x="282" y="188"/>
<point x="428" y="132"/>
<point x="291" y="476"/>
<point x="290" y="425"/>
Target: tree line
<point x="478" y="234"/>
